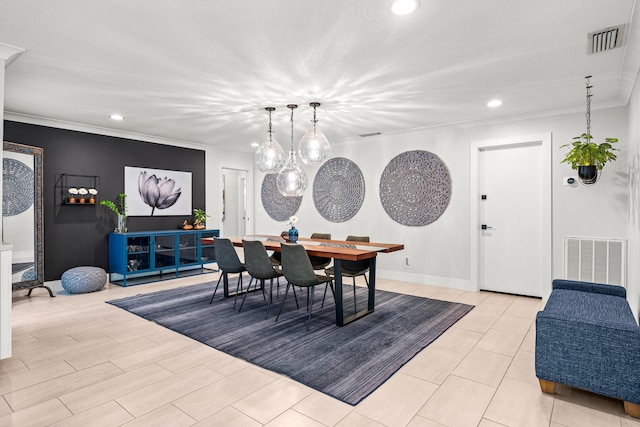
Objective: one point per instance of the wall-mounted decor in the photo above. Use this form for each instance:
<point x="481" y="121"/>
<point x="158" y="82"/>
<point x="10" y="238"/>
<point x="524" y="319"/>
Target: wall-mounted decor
<point x="78" y="189"/>
<point x="338" y="189"/>
<point x="415" y="188"/>
<point x="17" y="184"/>
<point x="157" y="192"/>
<point x="277" y="206"/>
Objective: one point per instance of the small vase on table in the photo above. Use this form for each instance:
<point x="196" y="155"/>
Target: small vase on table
<point x="293" y="234"/>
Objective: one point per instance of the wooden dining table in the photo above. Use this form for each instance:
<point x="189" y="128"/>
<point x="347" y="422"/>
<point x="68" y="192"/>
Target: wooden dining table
<point x="339" y="250"/>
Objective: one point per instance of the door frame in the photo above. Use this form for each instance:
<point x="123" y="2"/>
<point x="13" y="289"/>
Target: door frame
<point x="248" y="222"/>
<point x="544" y="140"/>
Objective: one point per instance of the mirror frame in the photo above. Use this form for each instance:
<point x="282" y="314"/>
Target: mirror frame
<point x="38" y="220"/>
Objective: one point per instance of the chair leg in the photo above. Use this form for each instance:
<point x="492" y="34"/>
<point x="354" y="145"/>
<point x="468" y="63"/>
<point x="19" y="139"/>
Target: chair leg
<point x="244" y="297"/>
<point x="310" y="306"/>
<point x="283" y="300"/>
<point x="262" y="288"/>
<point x="295" y="296"/>
<point x="270" y="297"/>
<point x="238" y="286"/>
<point x="216" y="289"/>
<point x="324" y="295"/>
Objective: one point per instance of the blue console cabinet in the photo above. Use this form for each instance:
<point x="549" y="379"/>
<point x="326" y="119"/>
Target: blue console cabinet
<point x="149" y="256"/>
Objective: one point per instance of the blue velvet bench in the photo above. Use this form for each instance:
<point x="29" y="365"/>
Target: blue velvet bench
<point x="588" y="338"/>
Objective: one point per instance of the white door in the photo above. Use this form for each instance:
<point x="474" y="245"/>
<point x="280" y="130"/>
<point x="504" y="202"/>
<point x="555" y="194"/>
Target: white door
<point x="234" y="202"/>
<point x="511" y="214"/>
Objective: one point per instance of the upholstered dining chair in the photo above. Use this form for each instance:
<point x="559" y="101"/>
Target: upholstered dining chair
<point x="298" y="271"/>
<point x="258" y="265"/>
<point x="229" y="262"/>
<point x="276" y="258"/>
<point x="352" y="269"/>
<point x="318" y="262"/>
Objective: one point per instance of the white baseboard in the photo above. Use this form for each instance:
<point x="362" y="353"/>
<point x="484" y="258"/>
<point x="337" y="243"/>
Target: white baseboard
<point x="445" y="282"/>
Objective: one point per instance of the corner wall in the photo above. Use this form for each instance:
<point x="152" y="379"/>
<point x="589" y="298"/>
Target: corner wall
<point x="440" y="252"/>
<point x="78" y="235"/>
<point x="633" y="228"/>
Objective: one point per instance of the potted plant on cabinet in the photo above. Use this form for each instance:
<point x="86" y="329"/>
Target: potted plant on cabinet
<point x="120" y="209"/>
<point x="199" y="219"/>
<point x="587" y="156"/>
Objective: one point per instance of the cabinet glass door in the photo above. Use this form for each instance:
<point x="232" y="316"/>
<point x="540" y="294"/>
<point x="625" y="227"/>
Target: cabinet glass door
<point x="188" y="248"/>
<point x="138" y="254"/>
<point x="208" y="252"/>
<point x="165" y="251"/>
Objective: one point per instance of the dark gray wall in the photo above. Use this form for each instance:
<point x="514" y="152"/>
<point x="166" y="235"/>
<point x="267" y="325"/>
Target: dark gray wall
<point x="78" y="235"/>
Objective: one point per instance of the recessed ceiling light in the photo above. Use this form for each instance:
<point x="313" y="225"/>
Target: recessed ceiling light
<point x="117" y="117"/>
<point x="494" y="103"/>
<point x="404" y="7"/>
<point x="255" y="144"/>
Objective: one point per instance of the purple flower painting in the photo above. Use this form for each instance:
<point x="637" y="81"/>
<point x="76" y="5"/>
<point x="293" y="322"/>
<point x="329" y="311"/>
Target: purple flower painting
<point x="155" y="192"/>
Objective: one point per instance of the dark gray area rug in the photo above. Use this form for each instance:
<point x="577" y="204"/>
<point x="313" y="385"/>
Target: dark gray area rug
<point x="347" y="362"/>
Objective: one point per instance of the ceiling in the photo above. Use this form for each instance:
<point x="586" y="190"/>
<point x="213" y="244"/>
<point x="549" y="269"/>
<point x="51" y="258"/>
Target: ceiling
<point x="202" y="72"/>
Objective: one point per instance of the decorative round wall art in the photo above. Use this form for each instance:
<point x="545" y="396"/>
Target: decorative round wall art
<point x="415" y="188"/>
<point x="278" y="207"/>
<point x="338" y="189"/>
<point x="17" y="187"/>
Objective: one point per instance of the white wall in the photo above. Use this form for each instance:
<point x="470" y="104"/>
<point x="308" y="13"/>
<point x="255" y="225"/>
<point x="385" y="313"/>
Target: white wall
<point x="215" y="160"/>
<point x="440" y="252"/>
<point x="633" y="229"/>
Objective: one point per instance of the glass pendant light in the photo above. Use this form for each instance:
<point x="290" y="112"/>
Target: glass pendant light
<point x="314" y="147"/>
<point x="291" y="180"/>
<point x="270" y="155"/>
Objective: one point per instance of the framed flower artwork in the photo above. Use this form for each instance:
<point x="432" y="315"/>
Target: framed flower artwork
<point x="157" y="192"/>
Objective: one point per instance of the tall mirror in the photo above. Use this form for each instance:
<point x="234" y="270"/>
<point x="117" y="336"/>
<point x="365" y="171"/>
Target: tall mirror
<point x="22" y="214"/>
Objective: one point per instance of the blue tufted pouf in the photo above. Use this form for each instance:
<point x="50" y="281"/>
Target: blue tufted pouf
<point x="80" y="280"/>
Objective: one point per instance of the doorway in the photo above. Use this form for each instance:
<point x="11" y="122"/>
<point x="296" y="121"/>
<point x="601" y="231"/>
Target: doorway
<point x="234" y="202"/>
<point x="511" y="214"/>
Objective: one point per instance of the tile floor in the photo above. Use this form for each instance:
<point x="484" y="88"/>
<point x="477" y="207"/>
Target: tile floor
<point x="80" y="362"/>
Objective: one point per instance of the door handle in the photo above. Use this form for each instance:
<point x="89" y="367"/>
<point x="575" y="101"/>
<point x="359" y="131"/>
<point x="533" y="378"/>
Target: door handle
<point x="486" y="227"/>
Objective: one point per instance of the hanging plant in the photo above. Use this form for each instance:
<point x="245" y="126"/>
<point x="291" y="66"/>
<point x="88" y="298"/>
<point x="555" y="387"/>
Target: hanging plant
<point x="585" y="152"/>
<point x="587" y="156"/>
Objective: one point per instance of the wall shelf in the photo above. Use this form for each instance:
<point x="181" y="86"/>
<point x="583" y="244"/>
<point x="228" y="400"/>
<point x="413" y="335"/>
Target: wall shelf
<point x="87" y="182"/>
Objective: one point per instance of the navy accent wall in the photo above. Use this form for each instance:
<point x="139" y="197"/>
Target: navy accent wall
<point x="78" y="235"/>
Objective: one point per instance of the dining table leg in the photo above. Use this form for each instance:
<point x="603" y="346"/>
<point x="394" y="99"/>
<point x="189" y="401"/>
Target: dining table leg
<point x="337" y="281"/>
<point x="340" y="319"/>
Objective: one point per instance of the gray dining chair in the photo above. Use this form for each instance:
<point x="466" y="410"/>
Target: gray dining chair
<point x="229" y="262"/>
<point x="351" y="269"/>
<point x="318" y="262"/>
<point x="298" y="271"/>
<point x="276" y="258"/>
<point x="259" y="266"/>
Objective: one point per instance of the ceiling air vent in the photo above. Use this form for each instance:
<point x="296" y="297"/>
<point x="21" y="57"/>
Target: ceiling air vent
<point x="607" y="39"/>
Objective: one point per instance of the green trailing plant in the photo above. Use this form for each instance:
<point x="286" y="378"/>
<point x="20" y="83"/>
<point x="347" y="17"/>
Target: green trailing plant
<point x="119" y="207"/>
<point x="199" y="216"/>
<point x="585" y="152"/>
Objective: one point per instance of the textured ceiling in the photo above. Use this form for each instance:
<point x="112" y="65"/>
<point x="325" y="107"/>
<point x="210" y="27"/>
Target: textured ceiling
<point x="202" y="71"/>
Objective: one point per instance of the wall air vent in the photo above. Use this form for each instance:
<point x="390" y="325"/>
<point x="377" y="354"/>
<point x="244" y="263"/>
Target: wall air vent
<point x="607" y="39"/>
<point x="595" y="260"/>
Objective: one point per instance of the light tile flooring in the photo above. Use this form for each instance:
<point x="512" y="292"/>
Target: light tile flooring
<point x="80" y="362"/>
